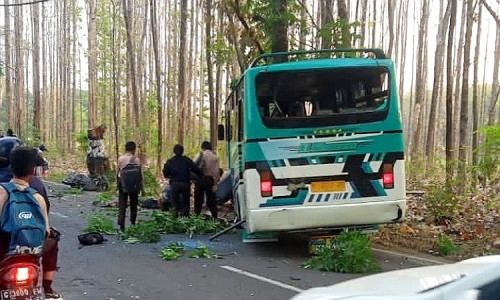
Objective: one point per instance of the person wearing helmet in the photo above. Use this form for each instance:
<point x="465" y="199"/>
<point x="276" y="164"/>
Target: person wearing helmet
<point x="7" y="144"/>
<point x="51" y="248"/>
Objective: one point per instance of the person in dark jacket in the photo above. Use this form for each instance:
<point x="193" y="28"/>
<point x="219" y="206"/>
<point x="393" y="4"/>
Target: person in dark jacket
<point x="178" y="170"/>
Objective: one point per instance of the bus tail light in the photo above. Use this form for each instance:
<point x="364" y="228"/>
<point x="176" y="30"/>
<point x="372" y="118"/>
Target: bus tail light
<point x="388" y="176"/>
<point x="266" y="184"/>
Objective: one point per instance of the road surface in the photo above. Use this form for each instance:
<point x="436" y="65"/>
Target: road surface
<point x="116" y="270"/>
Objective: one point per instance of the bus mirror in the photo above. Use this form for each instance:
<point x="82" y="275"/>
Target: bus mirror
<point x="220" y="132"/>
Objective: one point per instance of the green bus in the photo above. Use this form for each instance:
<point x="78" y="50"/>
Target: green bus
<point x="316" y="142"/>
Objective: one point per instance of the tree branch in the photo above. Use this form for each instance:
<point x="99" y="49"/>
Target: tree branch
<point x="25" y="3"/>
<point x="491" y="11"/>
<point x="301" y="3"/>
<point x="237" y="11"/>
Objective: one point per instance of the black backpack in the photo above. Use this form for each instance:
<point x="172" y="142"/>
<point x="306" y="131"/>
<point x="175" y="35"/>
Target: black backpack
<point x="131" y="177"/>
<point x="91" y="238"/>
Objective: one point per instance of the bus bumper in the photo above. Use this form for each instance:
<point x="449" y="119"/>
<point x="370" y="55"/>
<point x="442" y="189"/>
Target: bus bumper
<point x="310" y="217"/>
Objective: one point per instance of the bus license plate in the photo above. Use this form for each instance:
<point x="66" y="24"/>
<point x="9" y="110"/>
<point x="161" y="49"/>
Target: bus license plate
<point x="328" y="186"/>
<point x="31" y="293"/>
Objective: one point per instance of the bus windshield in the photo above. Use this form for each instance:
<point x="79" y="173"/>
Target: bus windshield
<point x="322" y="97"/>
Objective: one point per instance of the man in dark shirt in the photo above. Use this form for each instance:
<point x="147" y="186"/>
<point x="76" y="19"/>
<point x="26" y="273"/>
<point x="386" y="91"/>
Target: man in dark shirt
<point x="178" y="170"/>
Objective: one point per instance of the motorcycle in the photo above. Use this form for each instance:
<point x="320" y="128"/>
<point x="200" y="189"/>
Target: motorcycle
<point x="19" y="278"/>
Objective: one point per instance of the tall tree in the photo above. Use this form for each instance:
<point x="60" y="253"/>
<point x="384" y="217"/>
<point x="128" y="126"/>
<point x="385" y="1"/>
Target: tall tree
<point x="8" y="66"/>
<point x="131" y="67"/>
<point x="92" y="62"/>
<point x="464" y="107"/>
<point x="35" y="22"/>
<point x="19" y="113"/>
<point x="210" y="73"/>
<point x="326" y="24"/>
<point x="420" y="75"/>
<point x="438" y="79"/>
<point x="159" y="100"/>
<point x="449" y="93"/>
<point x="279" y="27"/>
<point x="182" y="73"/>
<point x="391" y="7"/>
<point x="495" y="89"/>
<point x="475" y="104"/>
<point x="343" y="13"/>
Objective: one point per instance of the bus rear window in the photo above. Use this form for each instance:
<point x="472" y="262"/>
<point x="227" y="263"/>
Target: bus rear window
<point x="326" y="97"/>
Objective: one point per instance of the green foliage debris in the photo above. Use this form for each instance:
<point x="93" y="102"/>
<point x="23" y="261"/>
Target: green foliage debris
<point x="100" y="223"/>
<point x="172" y="251"/>
<point x="167" y="223"/>
<point x="175" y="250"/>
<point x="202" y="252"/>
<point x="142" y="232"/>
<point x="351" y="253"/>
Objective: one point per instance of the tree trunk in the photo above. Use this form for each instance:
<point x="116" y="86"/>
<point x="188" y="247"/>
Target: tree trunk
<point x="458" y="77"/>
<point x="495" y="89"/>
<point x="420" y="89"/>
<point x="210" y="74"/>
<point x="343" y="13"/>
<point x="391" y="7"/>
<point x="326" y="24"/>
<point x="449" y="94"/>
<point x="464" y="107"/>
<point x="182" y="73"/>
<point x="19" y="113"/>
<point x="475" y="104"/>
<point x="35" y="22"/>
<point x="8" y="67"/>
<point x="131" y="70"/>
<point x="436" y="88"/>
<point x="279" y="31"/>
<point x="92" y="69"/>
<point x="154" y="33"/>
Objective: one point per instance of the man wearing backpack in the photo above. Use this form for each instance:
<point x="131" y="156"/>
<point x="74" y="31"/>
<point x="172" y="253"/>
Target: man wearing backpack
<point x="129" y="182"/>
<point x="208" y="163"/>
<point x="17" y="195"/>
<point x="51" y="247"/>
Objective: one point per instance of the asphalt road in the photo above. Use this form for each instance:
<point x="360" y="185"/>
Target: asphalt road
<point x="116" y="270"/>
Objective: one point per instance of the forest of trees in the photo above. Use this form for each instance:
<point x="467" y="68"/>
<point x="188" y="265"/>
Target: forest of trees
<point x="158" y="71"/>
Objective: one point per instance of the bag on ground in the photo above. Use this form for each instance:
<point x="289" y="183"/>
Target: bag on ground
<point x="91" y="238"/>
<point x="23" y="218"/>
<point x="131" y="177"/>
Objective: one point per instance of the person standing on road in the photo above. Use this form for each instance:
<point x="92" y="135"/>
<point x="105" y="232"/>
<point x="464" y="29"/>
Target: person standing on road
<point x="128" y="166"/>
<point x="207" y="185"/>
<point x="178" y="169"/>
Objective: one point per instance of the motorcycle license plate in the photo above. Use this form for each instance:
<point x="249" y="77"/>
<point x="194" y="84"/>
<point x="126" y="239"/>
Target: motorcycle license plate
<point x="29" y="293"/>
